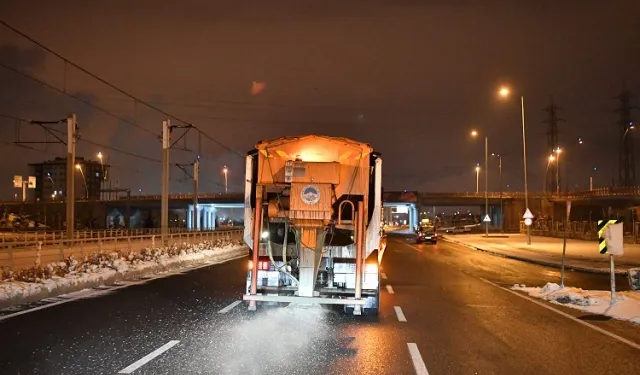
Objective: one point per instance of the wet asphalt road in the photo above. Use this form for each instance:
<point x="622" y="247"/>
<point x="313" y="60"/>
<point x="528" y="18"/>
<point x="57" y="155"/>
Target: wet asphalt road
<point x="456" y="323"/>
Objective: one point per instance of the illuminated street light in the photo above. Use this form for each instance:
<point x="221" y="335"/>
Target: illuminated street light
<point x="225" y="170"/>
<point x="477" y="178"/>
<point x="504" y="92"/>
<point x="84" y="179"/>
<point x="558" y="151"/>
<point x="501" y="202"/>
<point x="474" y="134"/>
<point x="101" y="158"/>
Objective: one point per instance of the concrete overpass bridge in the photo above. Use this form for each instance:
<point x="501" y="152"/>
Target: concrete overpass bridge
<point x="506" y="207"/>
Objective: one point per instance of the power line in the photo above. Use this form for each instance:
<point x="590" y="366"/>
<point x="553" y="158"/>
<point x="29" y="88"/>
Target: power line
<point x="219" y="143"/>
<point x="124" y="152"/>
<point x="28" y="76"/>
<point x="100" y="79"/>
<point x="121" y="151"/>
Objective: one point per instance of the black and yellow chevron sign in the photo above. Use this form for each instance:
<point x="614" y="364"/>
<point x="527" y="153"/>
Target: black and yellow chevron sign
<point x="602" y="224"/>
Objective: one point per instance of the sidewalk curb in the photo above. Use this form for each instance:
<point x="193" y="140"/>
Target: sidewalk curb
<point x="536" y="261"/>
<point x="214" y="259"/>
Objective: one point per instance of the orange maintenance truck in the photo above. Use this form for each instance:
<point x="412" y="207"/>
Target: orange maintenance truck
<point x="313" y="222"/>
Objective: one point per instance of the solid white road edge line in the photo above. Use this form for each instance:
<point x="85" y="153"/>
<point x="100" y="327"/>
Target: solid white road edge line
<point x="603" y="331"/>
<point x="142" y="361"/>
<point x="128" y="284"/>
<point x="384" y="275"/>
<point x="416" y="358"/>
<point x="400" y="314"/>
<point x="229" y="308"/>
<point x="569" y="316"/>
<point x="390" y="289"/>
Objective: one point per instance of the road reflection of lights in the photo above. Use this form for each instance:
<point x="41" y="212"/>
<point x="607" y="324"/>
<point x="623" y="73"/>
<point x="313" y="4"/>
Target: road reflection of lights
<point x="362" y="346"/>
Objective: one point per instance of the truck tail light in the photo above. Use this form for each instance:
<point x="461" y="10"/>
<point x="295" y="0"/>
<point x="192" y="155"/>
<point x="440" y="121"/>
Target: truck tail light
<point x="371" y="268"/>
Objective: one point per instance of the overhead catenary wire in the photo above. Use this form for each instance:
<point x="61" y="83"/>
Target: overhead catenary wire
<point x="109" y="84"/>
<point x="124" y="152"/>
<point x="76" y="97"/>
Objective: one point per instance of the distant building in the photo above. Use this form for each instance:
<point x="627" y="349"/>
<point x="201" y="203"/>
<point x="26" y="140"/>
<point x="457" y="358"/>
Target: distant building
<point x="51" y="178"/>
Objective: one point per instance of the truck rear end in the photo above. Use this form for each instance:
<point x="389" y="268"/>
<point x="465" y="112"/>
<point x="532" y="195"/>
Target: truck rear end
<point x="313" y="222"/>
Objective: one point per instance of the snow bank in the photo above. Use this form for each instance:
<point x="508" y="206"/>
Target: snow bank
<point x="95" y="269"/>
<point x="626" y="307"/>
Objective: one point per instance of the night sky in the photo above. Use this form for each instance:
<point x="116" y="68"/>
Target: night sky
<point x="412" y="79"/>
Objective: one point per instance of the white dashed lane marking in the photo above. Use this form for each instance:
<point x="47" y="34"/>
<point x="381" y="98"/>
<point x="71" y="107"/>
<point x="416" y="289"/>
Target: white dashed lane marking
<point x="144" y="360"/>
<point x="400" y="314"/>
<point x="229" y="308"/>
<point x="416" y="358"/>
<point x="390" y="289"/>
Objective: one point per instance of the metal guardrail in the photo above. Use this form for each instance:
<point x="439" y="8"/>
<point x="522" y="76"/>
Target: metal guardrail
<point x="186" y="196"/>
<point x="579" y="230"/>
<point x="492" y="195"/>
<point x="20" y="255"/>
<point x="14" y="238"/>
<point x="229" y="196"/>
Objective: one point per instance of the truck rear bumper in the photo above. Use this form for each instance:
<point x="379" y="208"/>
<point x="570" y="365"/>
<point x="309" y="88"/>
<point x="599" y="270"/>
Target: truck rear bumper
<point x="305" y="300"/>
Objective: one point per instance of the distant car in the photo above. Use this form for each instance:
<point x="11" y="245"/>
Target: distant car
<point x="426" y="234"/>
<point x="455" y="230"/>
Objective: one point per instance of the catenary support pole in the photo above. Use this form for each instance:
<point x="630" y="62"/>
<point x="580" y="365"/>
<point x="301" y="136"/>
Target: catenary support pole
<point x="164" y="210"/>
<point x="196" y="170"/>
<point x="71" y="158"/>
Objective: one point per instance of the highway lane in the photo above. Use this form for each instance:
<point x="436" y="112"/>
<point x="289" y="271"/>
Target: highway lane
<point x="455" y="323"/>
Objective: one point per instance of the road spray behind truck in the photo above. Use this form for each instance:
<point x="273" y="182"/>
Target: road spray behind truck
<point x="313" y="222"/>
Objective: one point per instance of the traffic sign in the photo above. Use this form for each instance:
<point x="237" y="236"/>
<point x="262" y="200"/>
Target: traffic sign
<point x="527" y="214"/>
<point x="528" y="222"/>
<point x="602" y="225"/>
<point x="486" y="219"/>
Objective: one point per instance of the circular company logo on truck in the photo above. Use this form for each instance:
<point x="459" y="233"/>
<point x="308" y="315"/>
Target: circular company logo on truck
<point x="310" y="194"/>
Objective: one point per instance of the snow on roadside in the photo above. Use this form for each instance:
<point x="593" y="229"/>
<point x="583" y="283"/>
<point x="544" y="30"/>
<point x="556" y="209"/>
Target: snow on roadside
<point x="627" y="306"/>
<point x="99" y="267"/>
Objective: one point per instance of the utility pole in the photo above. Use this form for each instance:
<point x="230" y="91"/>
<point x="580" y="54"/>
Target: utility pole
<point x="553" y="144"/>
<point x="626" y="159"/>
<point x="164" y="210"/>
<point x="196" y="171"/>
<point x="167" y="129"/>
<point x="71" y="159"/>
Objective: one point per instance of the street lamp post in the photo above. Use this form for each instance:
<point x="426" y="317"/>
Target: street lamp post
<point x="500" y="178"/>
<point x="504" y="92"/>
<point x="100" y="157"/>
<point x="53" y="186"/>
<point x="84" y="179"/>
<point x="558" y="171"/>
<point x="546" y="173"/>
<point x="486" y="180"/>
<point x="225" y="170"/>
<point x="477" y="179"/>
